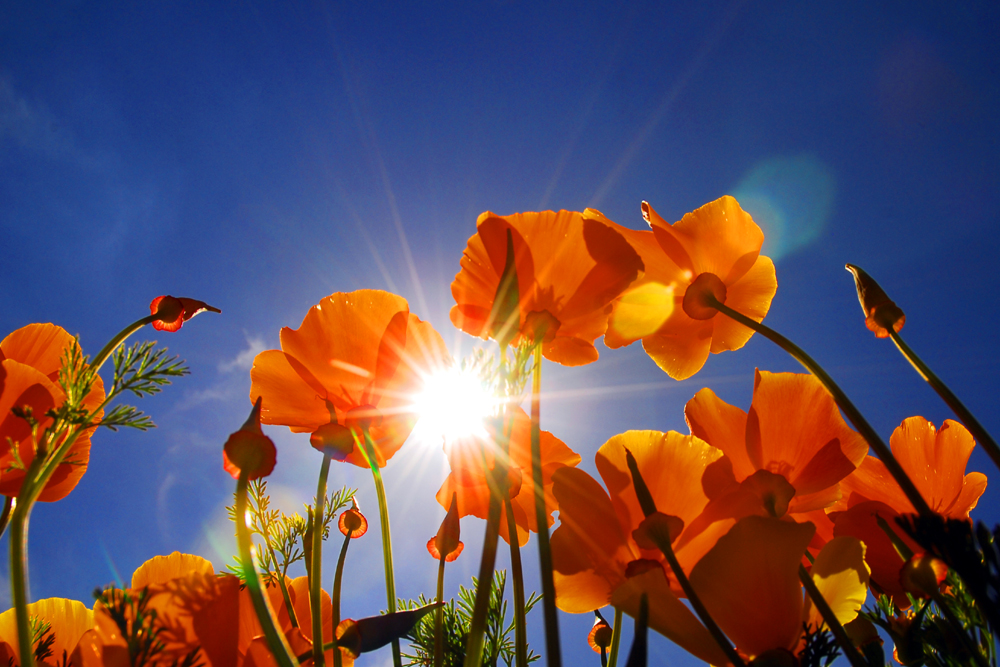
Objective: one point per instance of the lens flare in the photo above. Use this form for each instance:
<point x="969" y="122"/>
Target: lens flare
<point x="454" y="404"/>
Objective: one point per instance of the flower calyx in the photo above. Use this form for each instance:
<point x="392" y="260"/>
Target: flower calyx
<point x="701" y="296"/>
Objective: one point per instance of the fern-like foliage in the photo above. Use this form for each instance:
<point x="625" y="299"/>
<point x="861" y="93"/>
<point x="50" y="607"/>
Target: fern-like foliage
<point x="283" y="536"/>
<point x="820" y="648"/>
<point x="498" y="645"/>
<point x="142" y="370"/>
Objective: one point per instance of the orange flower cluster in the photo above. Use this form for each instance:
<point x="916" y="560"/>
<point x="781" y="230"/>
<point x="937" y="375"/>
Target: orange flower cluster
<point x="193" y="607"/>
<point x="750" y="493"/>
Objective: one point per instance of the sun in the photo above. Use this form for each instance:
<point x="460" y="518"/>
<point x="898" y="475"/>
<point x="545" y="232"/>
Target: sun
<point x="454" y="404"/>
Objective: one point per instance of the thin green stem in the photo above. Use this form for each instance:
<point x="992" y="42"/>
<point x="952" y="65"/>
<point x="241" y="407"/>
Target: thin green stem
<point x="8" y="506"/>
<point x="853" y="414"/>
<point x="846" y="645"/>
<point x="552" y="649"/>
<point x="520" y="627"/>
<point x="337" y="658"/>
<point x="477" y="626"/>
<point x="383" y="515"/>
<point x="119" y="338"/>
<point x="281" y="579"/>
<point x="315" y="570"/>
<point x="953" y="402"/>
<point x="19" y="582"/>
<point x="616" y="639"/>
<point x="275" y="638"/>
<point x="488" y="557"/>
<point x="439" y="618"/>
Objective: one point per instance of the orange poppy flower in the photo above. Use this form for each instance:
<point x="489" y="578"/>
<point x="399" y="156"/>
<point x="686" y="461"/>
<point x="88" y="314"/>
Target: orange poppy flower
<point x="935" y="460"/>
<point x="786" y="455"/>
<point x="467" y="480"/>
<point x="30" y="359"/>
<point x="359" y="357"/>
<point x="569" y="270"/>
<point x="596" y="558"/>
<point x="749" y="583"/>
<point x="716" y="246"/>
<point x="68" y="620"/>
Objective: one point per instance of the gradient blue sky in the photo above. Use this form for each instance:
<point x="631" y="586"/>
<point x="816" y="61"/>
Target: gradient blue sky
<point x="261" y="156"/>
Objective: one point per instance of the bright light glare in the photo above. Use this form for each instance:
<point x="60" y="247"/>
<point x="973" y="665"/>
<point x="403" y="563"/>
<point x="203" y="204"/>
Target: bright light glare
<point x="454" y="404"/>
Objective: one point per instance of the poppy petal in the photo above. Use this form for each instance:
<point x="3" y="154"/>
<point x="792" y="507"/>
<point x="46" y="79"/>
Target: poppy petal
<point x="39" y="346"/>
<point x="751" y="295"/>
<point x="161" y="569"/>
<point x="682" y="346"/>
<point x="749" y="582"/>
<point x="841" y="575"/>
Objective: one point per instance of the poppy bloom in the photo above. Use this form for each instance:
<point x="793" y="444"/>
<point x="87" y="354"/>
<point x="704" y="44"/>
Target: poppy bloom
<point x="935" y="459"/>
<point x="749" y="583"/>
<point x="786" y="455"/>
<point x="716" y="249"/>
<point x="596" y="557"/>
<point x="30" y="360"/>
<point x="467" y="480"/>
<point x="357" y="361"/>
<point x="172" y="312"/>
<point x="569" y="270"/>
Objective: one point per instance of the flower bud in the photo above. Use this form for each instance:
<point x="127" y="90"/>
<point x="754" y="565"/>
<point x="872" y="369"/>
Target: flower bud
<point x="249" y="449"/>
<point x="446" y="543"/>
<point x="600" y="635"/>
<point x="881" y="314"/>
<point x="172" y="312"/>
<point x="352" y="522"/>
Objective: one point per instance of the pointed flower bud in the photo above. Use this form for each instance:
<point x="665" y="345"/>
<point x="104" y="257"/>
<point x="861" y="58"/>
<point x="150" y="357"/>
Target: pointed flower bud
<point x="172" y="312"/>
<point x="249" y="449"/>
<point x="446" y="543"/>
<point x="352" y="522"/>
<point x="333" y="439"/>
<point x="374" y="632"/>
<point x="881" y="314"/>
<point x="600" y="635"/>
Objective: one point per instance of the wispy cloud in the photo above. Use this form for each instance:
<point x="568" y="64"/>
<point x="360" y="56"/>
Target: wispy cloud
<point x="244" y="360"/>
<point x="233" y="379"/>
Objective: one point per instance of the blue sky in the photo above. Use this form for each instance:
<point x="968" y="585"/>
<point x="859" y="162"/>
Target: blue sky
<point x="260" y="157"/>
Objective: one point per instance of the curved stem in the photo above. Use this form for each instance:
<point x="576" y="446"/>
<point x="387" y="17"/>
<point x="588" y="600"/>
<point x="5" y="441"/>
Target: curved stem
<point x="552" y="649"/>
<point x="119" y="338"/>
<point x="19" y="582"/>
<point x="439" y="618"/>
<point x="520" y="627"/>
<point x="616" y="638"/>
<point x="953" y="402"/>
<point x="337" y="658"/>
<point x="275" y="638"/>
<point x="852" y="653"/>
<point x="315" y="569"/>
<point x="852" y="413"/>
<point x="383" y="515"/>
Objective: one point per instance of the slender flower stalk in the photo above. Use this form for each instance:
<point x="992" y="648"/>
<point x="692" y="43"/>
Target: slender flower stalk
<point x="338" y="577"/>
<point x="853" y="414"/>
<point x="949" y="397"/>
<point x="616" y="639"/>
<point x="552" y="651"/>
<point x="487" y="559"/>
<point x="383" y="515"/>
<point x="281" y="580"/>
<point x="520" y="628"/>
<point x="275" y="638"/>
<point x="315" y="570"/>
<point x="846" y="645"/>
<point x="119" y="338"/>
<point x="656" y="525"/>
<point x="439" y="617"/>
<point x="487" y="563"/>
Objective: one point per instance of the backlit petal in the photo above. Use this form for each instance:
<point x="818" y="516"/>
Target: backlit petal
<point x="751" y="295"/>
<point x="841" y="575"/>
<point x="681" y="346"/>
